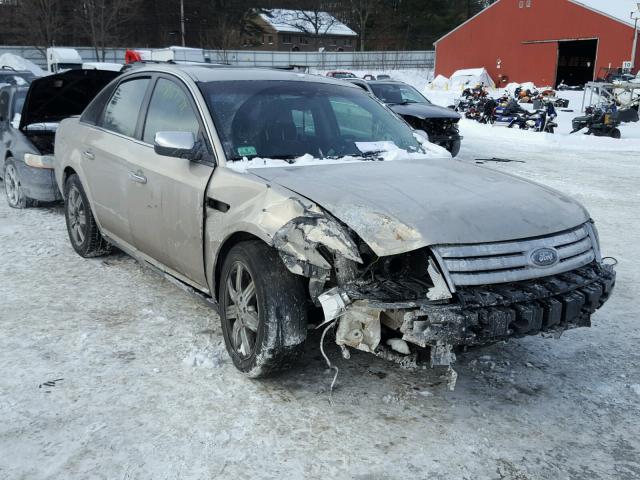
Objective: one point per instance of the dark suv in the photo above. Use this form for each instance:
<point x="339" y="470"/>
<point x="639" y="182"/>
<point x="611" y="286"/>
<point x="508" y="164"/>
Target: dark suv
<point x="441" y="124"/>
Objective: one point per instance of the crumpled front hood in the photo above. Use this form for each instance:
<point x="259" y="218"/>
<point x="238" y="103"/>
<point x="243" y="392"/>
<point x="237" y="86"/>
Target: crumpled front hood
<point x="424" y="110"/>
<point x="56" y="97"/>
<point x="400" y="206"/>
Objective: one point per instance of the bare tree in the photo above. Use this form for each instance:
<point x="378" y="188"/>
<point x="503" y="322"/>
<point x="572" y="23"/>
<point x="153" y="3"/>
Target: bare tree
<point x="361" y="11"/>
<point x="40" y="22"/>
<point x="101" y="21"/>
<point x="226" y="22"/>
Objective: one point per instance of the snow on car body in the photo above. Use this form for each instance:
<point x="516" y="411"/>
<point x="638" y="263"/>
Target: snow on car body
<point x="274" y="193"/>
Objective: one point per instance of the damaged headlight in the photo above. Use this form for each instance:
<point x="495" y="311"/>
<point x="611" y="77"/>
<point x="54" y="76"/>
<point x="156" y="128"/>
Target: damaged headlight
<point x="299" y="240"/>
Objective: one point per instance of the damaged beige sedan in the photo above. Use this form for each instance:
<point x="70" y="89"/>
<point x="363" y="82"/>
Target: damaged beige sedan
<point x="275" y="194"/>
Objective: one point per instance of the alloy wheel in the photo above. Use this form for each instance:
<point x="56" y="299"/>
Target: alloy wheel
<point x="241" y="310"/>
<point x="77" y="214"/>
<point x="11" y="185"/>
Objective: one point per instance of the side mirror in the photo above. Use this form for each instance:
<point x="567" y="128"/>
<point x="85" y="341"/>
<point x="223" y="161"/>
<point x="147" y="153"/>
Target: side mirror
<point x="422" y="134"/>
<point x="175" y="144"/>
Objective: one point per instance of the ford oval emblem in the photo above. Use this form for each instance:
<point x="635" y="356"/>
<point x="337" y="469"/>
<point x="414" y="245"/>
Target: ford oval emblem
<point x="544" y="257"/>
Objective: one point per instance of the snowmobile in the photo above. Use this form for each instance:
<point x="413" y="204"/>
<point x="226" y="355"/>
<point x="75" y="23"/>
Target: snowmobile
<point x="543" y="120"/>
<point x="538" y="103"/>
<point x="511" y="115"/>
<point x="575" y="88"/>
<point x="599" y="121"/>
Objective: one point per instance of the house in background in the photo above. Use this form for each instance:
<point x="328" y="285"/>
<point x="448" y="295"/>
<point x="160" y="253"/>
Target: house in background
<point x="544" y="41"/>
<point x="299" y="31"/>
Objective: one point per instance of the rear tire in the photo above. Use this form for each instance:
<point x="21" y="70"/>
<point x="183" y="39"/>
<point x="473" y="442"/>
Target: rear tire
<point x="84" y="234"/>
<point x="16" y="197"/>
<point x="263" y="310"/>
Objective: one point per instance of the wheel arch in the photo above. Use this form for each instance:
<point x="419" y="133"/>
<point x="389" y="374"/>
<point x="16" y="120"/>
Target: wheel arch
<point x="226" y="246"/>
<point x="7" y="156"/>
<point x="66" y="173"/>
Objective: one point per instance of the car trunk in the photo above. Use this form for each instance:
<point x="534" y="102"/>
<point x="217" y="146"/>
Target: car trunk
<point x="53" y="98"/>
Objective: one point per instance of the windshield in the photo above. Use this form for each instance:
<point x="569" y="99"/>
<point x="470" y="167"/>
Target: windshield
<point x="289" y="119"/>
<point x="397" y="93"/>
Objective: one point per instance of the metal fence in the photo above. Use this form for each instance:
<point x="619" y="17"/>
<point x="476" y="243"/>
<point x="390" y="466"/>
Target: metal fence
<point x="249" y="58"/>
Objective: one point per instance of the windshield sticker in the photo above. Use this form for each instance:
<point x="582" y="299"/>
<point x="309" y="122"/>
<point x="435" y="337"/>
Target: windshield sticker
<point x="247" y="151"/>
<point x="383" y="146"/>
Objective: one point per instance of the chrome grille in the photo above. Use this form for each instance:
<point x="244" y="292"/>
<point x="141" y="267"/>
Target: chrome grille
<point x="491" y="263"/>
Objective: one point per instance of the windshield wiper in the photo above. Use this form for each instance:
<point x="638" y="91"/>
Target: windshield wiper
<point x="404" y="102"/>
<point x="286" y="158"/>
<point x="365" y="155"/>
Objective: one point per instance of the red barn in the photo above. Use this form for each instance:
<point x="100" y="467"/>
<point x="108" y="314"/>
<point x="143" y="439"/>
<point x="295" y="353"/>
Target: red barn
<point x="543" y="41"/>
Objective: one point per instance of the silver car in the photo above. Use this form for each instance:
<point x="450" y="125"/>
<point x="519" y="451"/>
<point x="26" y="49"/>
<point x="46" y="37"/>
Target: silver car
<point x="29" y="117"/>
<point x="277" y="194"/>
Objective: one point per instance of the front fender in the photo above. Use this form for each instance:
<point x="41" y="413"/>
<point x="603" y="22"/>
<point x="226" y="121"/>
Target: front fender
<point x="282" y="219"/>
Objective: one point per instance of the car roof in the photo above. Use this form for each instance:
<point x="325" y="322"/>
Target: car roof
<point x="386" y="82"/>
<point x="213" y="73"/>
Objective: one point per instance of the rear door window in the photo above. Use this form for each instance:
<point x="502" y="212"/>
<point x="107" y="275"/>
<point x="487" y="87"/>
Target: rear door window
<point x="170" y="110"/>
<point x="93" y="112"/>
<point x="122" y="112"/>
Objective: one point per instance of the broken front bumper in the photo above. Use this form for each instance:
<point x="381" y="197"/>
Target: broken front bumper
<point x="484" y="315"/>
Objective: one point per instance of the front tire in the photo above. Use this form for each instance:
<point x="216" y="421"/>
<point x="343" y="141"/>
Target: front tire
<point x="84" y="234"/>
<point x="615" y="133"/>
<point x="16" y="197"/>
<point x="263" y="310"/>
<point x="454" y="147"/>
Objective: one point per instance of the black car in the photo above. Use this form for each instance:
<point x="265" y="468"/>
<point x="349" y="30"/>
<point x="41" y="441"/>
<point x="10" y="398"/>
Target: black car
<point x="29" y="117"/>
<point x="441" y="124"/>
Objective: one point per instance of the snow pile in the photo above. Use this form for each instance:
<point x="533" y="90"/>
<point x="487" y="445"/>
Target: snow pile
<point x="204" y="359"/>
<point x="439" y="83"/>
<point x="511" y="88"/>
<point x="18" y="63"/>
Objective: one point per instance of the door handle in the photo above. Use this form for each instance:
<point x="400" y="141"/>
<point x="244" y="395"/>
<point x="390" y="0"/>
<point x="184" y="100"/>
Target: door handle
<point x="137" y="177"/>
<point x="88" y="154"/>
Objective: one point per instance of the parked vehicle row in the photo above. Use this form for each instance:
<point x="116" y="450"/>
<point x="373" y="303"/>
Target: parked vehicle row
<point x="507" y="112"/>
<point x="276" y="195"/>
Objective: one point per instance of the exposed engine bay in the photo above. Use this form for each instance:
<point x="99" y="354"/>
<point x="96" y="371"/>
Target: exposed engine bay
<point x="402" y="307"/>
<point x="42" y="138"/>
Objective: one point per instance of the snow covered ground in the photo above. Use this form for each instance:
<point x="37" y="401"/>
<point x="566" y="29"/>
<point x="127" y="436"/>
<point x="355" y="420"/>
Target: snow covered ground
<point x="111" y="372"/>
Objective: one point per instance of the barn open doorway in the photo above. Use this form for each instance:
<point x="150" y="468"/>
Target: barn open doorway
<point x="576" y="61"/>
